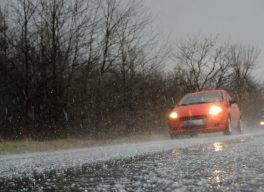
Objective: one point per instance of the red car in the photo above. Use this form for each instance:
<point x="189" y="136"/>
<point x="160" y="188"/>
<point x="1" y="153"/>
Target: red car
<point x="204" y="111"/>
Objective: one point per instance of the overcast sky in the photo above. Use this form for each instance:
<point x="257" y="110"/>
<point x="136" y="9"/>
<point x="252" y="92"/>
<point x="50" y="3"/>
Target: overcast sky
<point x="235" y="21"/>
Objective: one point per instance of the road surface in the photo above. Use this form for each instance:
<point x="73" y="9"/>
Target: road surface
<point x="210" y="162"/>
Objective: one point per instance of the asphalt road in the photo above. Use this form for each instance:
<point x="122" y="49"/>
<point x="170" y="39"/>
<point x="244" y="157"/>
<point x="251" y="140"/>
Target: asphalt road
<point x="219" y="163"/>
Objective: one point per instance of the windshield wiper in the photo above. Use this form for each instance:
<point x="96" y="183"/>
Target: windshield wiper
<point x="195" y="103"/>
<point x="202" y="102"/>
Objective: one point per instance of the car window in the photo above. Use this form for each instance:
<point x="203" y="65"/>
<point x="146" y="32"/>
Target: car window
<point x="197" y="98"/>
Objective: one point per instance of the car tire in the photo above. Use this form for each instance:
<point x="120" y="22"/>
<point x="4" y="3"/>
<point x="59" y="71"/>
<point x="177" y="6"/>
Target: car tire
<point x="173" y="136"/>
<point x="240" y="126"/>
<point x="228" y="129"/>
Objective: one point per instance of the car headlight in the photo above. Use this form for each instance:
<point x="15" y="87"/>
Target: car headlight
<point x="173" y="115"/>
<point x="215" y="110"/>
<point x="261" y="123"/>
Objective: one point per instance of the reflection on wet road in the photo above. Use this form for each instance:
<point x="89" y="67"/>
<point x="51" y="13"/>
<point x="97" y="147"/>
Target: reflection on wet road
<point x="235" y="165"/>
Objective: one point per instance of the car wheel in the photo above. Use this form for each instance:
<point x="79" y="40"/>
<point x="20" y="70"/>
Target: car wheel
<point x="228" y="130"/>
<point x="193" y="134"/>
<point x="240" y="126"/>
<point x="173" y="136"/>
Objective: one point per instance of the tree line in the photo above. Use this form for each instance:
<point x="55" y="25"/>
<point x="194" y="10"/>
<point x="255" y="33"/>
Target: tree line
<point x="95" y="68"/>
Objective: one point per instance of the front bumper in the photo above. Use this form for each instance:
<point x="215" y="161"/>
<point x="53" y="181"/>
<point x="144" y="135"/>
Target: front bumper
<point x="208" y="124"/>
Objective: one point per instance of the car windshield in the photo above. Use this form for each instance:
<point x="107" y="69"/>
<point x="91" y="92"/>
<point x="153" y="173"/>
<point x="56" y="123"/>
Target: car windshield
<point x="199" y="98"/>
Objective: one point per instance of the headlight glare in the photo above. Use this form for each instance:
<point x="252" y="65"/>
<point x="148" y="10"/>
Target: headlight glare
<point x="173" y="115"/>
<point x="215" y="110"/>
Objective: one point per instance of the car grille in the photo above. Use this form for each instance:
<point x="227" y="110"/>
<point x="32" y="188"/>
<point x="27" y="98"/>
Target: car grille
<point x="196" y="117"/>
<point x="193" y="121"/>
<point x="194" y="126"/>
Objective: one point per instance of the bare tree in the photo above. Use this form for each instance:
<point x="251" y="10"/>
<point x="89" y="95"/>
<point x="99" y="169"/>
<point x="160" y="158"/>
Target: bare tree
<point x="204" y="63"/>
<point x="242" y="61"/>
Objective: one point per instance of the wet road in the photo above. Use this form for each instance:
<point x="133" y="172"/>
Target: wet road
<point x="235" y="164"/>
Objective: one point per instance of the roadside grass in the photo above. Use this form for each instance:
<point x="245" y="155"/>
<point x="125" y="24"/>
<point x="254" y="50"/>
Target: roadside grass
<point x="28" y="145"/>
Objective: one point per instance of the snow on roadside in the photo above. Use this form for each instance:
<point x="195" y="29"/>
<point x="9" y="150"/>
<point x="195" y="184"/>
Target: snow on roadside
<point x="26" y="164"/>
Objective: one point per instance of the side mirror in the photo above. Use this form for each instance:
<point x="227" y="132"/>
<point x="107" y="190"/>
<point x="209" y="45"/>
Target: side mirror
<point x="232" y="102"/>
